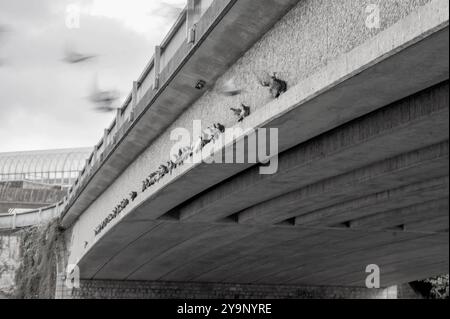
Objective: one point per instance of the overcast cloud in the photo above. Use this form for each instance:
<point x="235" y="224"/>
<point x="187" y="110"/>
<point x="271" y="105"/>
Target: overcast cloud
<point x="43" y="100"/>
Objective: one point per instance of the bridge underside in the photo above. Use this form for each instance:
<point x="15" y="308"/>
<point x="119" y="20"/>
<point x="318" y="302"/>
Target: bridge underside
<point x="373" y="191"/>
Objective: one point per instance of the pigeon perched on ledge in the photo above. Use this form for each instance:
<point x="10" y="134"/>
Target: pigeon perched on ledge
<point x="171" y="166"/>
<point x="198" y="145"/>
<point x="276" y="85"/>
<point x="242" y="112"/>
<point x="133" y="195"/>
<point x="220" y="127"/>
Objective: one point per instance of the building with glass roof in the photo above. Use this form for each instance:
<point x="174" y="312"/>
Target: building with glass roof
<point x="54" y="167"/>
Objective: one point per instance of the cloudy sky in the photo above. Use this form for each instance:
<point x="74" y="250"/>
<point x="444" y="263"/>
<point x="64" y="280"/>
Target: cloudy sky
<point x="43" y="100"/>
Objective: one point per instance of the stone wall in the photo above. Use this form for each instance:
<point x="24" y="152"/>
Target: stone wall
<point x="93" y="289"/>
<point x="9" y="262"/>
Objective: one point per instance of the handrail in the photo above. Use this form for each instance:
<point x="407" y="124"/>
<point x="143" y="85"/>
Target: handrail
<point x="31" y="217"/>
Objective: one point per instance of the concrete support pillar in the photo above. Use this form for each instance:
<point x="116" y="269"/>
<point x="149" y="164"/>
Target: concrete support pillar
<point x="157" y="66"/>
<point x="190" y="21"/>
<point x="39" y="216"/>
<point x="105" y="137"/>
<point x="57" y="209"/>
<point x="13" y="226"/>
<point x="134" y="92"/>
<point x="118" y="118"/>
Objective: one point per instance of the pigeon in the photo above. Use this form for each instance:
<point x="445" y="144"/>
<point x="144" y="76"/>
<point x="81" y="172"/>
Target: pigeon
<point x="216" y="133"/>
<point x="220" y="127"/>
<point x="208" y="134"/>
<point x="277" y="86"/>
<point x="105" y="109"/>
<point x="204" y="142"/>
<point x="198" y="145"/>
<point x="171" y="166"/>
<point x="177" y="158"/>
<point x="230" y="89"/>
<point x="183" y="154"/>
<point x="151" y="180"/>
<point x="162" y="171"/>
<point x="242" y="112"/>
<point x="186" y="152"/>
<point x="74" y="57"/>
<point x="103" y="99"/>
<point x="133" y="195"/>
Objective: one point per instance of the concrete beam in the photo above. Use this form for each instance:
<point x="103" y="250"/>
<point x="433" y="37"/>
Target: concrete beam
<point x="377" y="203"/>
<point x="331" y="154"/>
<point x="405" y="215"/>
<point x="395" y="172"/>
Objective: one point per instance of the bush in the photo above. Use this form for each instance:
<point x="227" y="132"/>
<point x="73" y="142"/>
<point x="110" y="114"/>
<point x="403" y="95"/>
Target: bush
<point x="39" y="248"/>
<point x="432" y="288"/>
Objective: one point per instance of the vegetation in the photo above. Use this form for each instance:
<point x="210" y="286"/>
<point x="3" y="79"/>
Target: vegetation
<point x="39" y="247"/>
<point x="433" y="288"/>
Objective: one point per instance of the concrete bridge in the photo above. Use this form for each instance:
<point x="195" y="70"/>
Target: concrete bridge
<point x="363" y="135"/>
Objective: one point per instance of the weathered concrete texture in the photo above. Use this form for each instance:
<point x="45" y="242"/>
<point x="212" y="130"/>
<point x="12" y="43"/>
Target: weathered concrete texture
<point x="9" y="262"/>
<point x="98" y="289"/>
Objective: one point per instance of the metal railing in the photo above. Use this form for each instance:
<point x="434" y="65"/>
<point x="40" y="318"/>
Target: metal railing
<point x="30" y="217"/>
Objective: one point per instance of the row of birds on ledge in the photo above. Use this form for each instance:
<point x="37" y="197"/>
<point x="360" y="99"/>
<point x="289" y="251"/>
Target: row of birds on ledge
<point x="209" y="135"/>
<point x="116" y="211"/>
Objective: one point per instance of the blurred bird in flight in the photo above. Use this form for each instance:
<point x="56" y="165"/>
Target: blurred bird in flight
<point x="230" y="88"/>
<point x="103" y="99"/>
<point x="71" y="56"/>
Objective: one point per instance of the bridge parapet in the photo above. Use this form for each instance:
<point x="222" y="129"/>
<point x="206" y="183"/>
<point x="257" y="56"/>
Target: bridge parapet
<point x="164" y="63"/>
<point x="30" y="217"/>
<point x="142" y="120"/>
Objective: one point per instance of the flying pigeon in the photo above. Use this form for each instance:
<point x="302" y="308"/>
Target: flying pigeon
<point x="73" y="57"/>
<point x="277" y="86"/>
<point x="230" y="89"/>
<point x="103" y="99"/>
